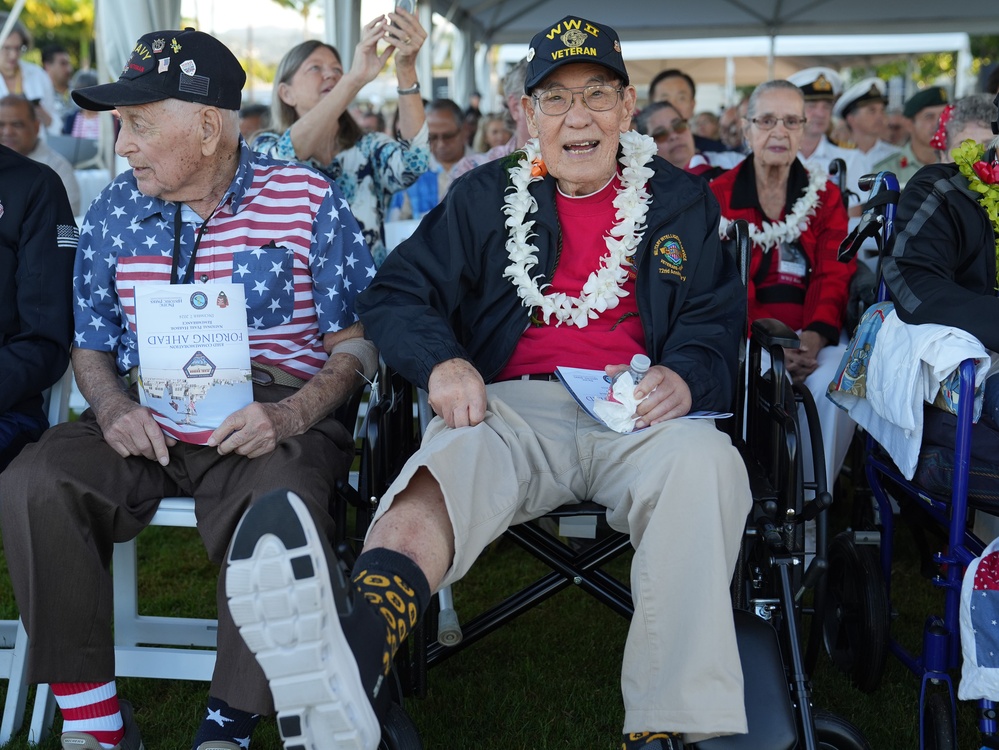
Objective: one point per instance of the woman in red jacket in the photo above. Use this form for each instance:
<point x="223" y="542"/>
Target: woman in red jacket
<point x="797" y="221"/>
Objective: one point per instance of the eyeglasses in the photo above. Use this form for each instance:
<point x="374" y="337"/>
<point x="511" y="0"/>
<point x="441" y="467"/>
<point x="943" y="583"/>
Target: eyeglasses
<point x="598" y="98"/>
<point x="663" y="134"/>
<point x="18" y="50"/>
<point x="769" y="122"/>
<point x="443" y="136"/>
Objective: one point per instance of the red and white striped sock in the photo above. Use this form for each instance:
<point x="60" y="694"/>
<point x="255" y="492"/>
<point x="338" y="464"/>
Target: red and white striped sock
<point x="91" y="707"/>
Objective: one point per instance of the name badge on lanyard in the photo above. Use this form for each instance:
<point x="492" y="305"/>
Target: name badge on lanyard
<point x="793" y="265"/>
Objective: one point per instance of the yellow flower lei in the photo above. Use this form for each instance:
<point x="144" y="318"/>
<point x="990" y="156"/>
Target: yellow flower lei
<point x="965" y="156"/>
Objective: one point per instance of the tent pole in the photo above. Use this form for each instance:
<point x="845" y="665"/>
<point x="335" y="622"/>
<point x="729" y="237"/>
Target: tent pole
<point x="15" y="12"/>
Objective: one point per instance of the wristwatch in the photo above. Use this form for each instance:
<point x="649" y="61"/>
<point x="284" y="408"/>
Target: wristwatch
<point x="414" y="89"/>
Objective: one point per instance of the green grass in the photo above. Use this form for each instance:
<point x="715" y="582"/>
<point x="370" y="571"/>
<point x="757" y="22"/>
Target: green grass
<point x="548" y="680"/>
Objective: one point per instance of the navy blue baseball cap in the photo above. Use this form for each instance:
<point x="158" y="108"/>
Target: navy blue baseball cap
<point x="189" y="65"/>
<point x="573" y="40"/>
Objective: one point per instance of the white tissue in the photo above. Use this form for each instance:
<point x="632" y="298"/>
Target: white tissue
<point x="619" y="415"/>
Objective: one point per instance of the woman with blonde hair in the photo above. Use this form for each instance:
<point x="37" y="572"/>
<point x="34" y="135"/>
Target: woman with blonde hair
<point x="494" y="130"/>
<point x="312" y="124"/>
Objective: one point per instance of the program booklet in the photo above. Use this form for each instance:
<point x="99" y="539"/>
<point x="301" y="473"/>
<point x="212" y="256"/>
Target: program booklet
<point x="586" y="386"/>
<point x="194" y="356"/>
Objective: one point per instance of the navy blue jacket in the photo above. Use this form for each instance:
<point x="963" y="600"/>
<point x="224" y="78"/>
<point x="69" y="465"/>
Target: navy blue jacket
<point x="942" y="267"/>
<point x="441" y="294"/>
<point x="37" y="245"/>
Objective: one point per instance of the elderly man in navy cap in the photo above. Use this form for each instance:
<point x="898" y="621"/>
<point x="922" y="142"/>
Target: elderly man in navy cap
<point x="862" y="106"/>
<point x="583" y="249"/>
<point x="197" y="220"/>
<point x="922" y="116"/>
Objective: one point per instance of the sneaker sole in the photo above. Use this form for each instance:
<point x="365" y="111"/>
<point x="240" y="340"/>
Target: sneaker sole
<point x="287" y="608"/>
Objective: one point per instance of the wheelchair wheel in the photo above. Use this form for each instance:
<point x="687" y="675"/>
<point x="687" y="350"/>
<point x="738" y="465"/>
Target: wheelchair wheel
<point x="856" y="617"/>
<point x="939" y="731"/>
<point x="398" y="731"/>
<point x="836" y="733"/>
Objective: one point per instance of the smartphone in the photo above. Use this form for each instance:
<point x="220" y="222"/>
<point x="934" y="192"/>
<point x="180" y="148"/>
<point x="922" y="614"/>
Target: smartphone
<point x="407" y="5"/>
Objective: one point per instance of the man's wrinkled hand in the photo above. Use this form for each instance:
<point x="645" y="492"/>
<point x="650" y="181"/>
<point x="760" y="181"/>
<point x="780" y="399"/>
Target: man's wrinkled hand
<point x="129" y="428"/>
<point x="256" y="429"/>
<point x="457" y="393"/>
<point x="668" y="395"/>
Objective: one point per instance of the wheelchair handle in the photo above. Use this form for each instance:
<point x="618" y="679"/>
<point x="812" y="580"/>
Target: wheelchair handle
<point x="866" y="182"/>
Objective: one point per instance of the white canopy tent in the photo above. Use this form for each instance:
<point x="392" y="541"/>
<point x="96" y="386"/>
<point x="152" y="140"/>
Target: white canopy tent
<point x="716" y="23"/>
<point x="492" y="22"/>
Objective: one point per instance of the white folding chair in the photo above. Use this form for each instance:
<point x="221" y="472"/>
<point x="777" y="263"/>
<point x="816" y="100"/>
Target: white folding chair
<point x="174" y="648"/>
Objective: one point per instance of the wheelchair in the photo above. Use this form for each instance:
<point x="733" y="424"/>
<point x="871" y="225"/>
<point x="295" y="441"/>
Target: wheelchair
<point x="767" y="588"/>
<point x="859" y="610"/>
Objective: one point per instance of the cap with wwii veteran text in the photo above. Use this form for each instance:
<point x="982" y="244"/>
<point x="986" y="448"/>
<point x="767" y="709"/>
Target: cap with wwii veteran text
<point x="188" y="65"/>
<point x="573" y="40"/>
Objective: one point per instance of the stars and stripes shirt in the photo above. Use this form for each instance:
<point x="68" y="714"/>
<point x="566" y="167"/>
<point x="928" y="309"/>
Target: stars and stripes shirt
<point x="282" y="230"/>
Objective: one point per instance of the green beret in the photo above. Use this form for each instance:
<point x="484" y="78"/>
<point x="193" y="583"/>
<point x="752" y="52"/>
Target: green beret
<point x="931" y="97"/>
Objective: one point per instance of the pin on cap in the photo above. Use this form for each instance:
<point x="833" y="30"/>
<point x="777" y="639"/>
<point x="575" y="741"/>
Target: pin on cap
<point x="189" y="65"/>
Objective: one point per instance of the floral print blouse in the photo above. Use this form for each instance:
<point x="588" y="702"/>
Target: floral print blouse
<point x="368" y="174"/>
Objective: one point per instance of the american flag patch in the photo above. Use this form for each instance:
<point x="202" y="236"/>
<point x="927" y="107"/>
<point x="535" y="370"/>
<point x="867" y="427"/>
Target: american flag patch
<point x="197" y="85"/>
<point x="67" y="235"/>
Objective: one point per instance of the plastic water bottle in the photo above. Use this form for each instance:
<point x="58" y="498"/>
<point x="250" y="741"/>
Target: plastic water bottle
<point x="640" y="365"/>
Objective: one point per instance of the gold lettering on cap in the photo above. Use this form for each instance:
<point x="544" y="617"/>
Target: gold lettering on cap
<point x="591" y="29"/>
<point x="573" y="51"/>
<point x="570" y="23"/>
<point x="142" y="51"/>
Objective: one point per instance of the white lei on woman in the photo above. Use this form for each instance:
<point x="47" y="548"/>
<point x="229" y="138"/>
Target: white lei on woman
<point x="774" y="234"/>
<point x="604" y="286"/>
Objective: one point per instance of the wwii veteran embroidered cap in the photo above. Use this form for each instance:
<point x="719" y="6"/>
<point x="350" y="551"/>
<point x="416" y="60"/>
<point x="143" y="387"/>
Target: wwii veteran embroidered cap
<point x="817" y="84"/>
<point x="573" y="40"/>
<point x="189" y="65"/>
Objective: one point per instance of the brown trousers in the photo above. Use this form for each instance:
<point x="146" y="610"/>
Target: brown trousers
<point x="68" y="498"/>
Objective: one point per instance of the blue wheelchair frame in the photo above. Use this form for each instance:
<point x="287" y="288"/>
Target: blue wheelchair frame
<point x="941" y="644"/>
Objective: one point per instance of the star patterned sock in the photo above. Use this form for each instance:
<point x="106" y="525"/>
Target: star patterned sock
<point x="92" y="708"/>
<point x="398" y="590"/>
<point x="223" y="722"/>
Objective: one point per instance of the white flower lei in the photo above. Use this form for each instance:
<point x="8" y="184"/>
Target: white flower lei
<point x="774" y="233"/>
<point x="603" y="288"/>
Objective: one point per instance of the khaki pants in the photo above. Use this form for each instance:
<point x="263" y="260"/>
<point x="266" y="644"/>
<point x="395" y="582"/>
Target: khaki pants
<point x="68" y="498"/>
<point x="679" y="489"/>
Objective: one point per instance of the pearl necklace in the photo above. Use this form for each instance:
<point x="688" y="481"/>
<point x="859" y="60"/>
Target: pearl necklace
<point x="604" y="286"/>
<point x="775" y="233"/>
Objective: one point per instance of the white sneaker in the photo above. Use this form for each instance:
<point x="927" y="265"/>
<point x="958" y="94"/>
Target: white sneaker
<point x="287" y="602"/>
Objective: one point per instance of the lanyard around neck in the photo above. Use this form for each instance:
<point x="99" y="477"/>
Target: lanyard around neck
<point x="189" y="270"/>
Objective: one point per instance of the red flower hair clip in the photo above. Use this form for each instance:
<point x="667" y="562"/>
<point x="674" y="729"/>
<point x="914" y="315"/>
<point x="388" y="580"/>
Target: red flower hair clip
<point x="939" y="139"/>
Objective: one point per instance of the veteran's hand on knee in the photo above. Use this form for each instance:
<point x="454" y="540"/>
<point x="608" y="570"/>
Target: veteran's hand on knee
<point x="130" y="430"/>
<point x="256" y="429"/>
<point x="457" y="393"/>
<point x="668" y="397"/>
